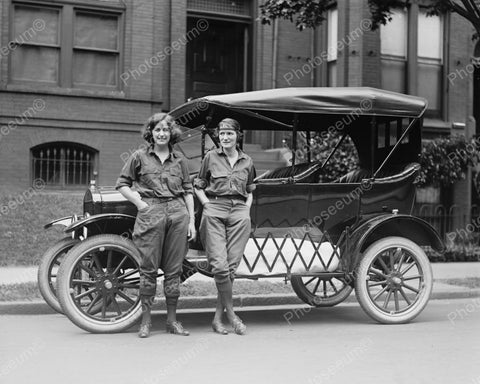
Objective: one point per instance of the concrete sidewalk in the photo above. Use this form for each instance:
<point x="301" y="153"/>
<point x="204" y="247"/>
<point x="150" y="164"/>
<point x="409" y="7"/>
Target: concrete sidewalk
<point x="441" y="290"/>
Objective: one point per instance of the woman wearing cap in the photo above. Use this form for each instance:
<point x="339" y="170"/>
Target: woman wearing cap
<point x="165" y="218"/>
<point x="224" y="187"/>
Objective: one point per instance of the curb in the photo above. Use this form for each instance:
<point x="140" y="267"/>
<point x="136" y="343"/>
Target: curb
<point x="207" y="303"/>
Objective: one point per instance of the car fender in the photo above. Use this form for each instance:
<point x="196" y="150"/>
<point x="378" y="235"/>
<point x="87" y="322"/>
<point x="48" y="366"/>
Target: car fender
<point x="410" y="227"/>
<point x="114" y="223"/>
<point x="64" y="221"/>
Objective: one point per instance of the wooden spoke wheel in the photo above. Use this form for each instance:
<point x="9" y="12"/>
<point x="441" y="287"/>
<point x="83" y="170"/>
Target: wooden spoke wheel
<point x="99" y="284"/>
<point x="321" y="291"/>
<point x="394" y="280"/>
<point x="48" y="270"/>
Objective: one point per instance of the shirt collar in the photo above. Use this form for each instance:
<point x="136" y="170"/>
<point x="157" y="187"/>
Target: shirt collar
<point x="241" y="154"/>
<point x="173" y="154"/>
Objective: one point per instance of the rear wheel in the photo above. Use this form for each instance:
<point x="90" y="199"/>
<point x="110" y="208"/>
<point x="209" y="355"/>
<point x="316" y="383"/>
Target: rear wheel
<point x="99" y="284"/>
<point x="48" y="270"/>
<point x="321" y="291"/>
<point x="394" y="280"/>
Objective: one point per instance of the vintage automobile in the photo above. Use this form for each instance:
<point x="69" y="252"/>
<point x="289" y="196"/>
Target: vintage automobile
<point x="327" y="238"/>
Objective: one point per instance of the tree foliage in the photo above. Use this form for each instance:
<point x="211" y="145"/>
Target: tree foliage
<point x="444" y="161"/>
<point x="305" y="13"/>
<point x="311" y="13"/>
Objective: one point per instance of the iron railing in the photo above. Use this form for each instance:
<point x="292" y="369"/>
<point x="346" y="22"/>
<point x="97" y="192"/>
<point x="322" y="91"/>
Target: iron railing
<point x="63" y="166"/>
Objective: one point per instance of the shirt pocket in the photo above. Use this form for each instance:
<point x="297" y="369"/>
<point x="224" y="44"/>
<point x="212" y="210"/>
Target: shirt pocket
<point x="220" y="182"/>
<point x="219" y="174"/>
<point x="150" y="176"/>
<point x="240" y="180"/>
<point x="175" y="179"/>
<point x="148" y="169"/>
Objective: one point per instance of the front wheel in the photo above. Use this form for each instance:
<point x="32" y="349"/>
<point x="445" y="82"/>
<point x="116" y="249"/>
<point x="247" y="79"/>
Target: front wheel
<point x="393" y="280"/>
<point x="321" y="291"/>
<point x="48" y="270"/>
<point x="99" y="284"/>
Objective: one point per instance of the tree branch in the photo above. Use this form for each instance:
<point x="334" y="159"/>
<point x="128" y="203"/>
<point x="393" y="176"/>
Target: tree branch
<point x="460" y="10"/>
<point x="472" y="7"/>
<point x="381" y="10"/>
<point x="464" y="12"/>
<point x="311" y="13"/>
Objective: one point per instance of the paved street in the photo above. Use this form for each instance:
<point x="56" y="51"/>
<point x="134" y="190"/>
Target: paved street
<point x="334" y="345"/>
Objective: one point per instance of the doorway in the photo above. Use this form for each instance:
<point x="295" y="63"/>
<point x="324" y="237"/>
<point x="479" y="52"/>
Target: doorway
<point x="217" y="61"/>
<point x="476" y="115"/>
<point x="476" y="87"/>
<point x="476" y="97"/>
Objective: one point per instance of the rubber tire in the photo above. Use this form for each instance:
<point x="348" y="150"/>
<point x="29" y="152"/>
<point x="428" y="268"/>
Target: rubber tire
<point x="361" y="289"/>
<point x="63" y="285"/>
<point x="317" y="301"/>
<point x="59" y="249"/>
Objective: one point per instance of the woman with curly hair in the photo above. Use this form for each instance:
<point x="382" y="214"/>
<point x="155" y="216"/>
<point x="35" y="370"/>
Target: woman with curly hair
<point x="165" y="218"/>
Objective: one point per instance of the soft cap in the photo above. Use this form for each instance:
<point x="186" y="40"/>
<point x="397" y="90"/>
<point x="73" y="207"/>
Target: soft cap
<point x="229" y="124"/>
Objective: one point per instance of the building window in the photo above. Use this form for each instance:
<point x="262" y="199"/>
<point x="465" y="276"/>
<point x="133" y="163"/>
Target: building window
<point x="66" y="46"/>
<point x="37" y="53"/>
<point x="393" y="47"/>
<point x="95" y="50"/>
<point x="63" y="164"/>
<point x="411" y="47"/>
<point x="429" y="59"/>
<point x="225" y="7"/>
<point x="332" y="44"/>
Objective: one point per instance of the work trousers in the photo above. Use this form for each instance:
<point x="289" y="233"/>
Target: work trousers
<point x="224" y="229"/>
<point x="160" y="234"/>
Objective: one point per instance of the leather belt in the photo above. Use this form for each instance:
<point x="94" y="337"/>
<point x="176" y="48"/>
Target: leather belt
<point x="158" y="200"/>
<point x="229" y="197"/>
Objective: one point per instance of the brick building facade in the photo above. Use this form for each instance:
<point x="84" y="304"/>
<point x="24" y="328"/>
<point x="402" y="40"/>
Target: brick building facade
<point x="78" y="77"/>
